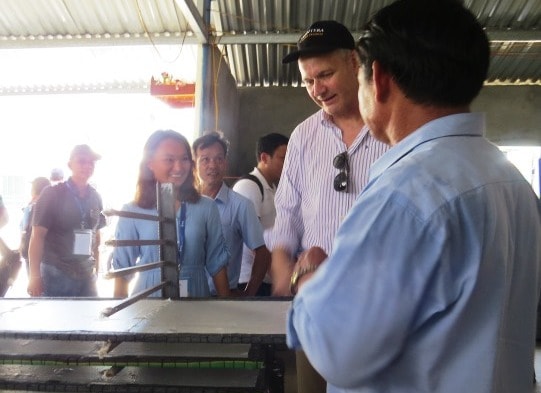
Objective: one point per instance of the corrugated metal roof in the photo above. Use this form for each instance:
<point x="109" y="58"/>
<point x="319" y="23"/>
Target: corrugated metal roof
<point x="514" y="28"/>
<point x="254" y="35"/>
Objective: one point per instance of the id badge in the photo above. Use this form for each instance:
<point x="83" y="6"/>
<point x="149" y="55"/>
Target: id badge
<point x="183" y="288"/>
<point x="82" y="242"/>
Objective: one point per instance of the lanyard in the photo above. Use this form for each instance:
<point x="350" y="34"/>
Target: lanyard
<point x="181" y="224"/>
<point x="79" y="204"/>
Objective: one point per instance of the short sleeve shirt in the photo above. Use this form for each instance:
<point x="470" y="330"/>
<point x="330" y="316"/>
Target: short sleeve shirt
<point x="60" y="211"/>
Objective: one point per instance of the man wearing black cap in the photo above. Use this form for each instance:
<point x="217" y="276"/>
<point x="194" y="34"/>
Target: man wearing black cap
<point x="327" y="161"/>
<point x="64" y="243"/>
<point x="434" y="278"/>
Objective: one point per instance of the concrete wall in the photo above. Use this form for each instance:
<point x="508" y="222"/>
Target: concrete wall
<point x="513" y="114"/>
<point x="265" y="110"/>
<point x="218" y="97"/>
<point x="513" y="117"/>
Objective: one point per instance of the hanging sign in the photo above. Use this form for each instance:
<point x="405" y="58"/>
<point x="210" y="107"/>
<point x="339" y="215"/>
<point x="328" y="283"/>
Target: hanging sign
<point x="174" y="92"/>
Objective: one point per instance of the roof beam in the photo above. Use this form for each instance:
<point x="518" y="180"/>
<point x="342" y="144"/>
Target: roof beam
<point x="195" y="20"/>
<point x="88" y="40"/>
<point x="514" y="35"/>
<point x="288" y="38"/>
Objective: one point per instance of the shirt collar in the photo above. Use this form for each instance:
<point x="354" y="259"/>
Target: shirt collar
<point x="465" y="124"/>
<point x="223" y="194"/>
<point x="326" y="121"/>
<point x="257" y="173"/>
<point x="73" y="187"/>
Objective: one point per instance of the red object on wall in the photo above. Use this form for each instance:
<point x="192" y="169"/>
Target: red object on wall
<point x="174" y="92"/>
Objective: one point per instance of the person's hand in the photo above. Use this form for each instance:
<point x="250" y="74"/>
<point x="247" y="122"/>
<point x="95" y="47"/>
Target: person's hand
<point x="237" y="293"/>
<point x="308" y="262"/>
<point x="34" y="288"/>
<point x="281" y="269"/>
<point x="314" y="256"/>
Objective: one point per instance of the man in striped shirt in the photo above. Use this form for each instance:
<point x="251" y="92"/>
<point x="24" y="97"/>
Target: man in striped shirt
<point x="327" y="161"/>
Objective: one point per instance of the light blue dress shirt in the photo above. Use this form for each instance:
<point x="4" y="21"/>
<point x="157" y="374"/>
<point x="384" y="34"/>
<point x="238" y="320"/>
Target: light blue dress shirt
<point x="433" y="281"/>
<point x="240" y="226"/>
<point x="204" y="246"/>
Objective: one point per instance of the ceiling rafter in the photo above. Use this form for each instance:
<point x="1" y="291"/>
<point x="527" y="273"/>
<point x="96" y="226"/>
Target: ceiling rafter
<point x="264" y="28"/>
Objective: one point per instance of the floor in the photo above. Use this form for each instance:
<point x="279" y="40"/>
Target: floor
<point x="290" y="376"/>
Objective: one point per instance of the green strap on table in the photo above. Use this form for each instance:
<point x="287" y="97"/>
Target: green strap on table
<point x="228" y="364"/>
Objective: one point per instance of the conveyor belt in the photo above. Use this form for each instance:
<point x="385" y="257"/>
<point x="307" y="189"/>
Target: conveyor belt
<point x="130" y="379"/>
<point x="154" y="345"/>
<point x="19" y="351"/>
<point x="148" y="320"/>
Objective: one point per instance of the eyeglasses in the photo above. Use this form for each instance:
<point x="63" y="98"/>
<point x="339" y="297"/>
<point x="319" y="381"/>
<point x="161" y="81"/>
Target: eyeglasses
<point x="341" y="180"/>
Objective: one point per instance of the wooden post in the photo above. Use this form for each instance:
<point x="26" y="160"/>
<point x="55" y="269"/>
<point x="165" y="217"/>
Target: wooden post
<point x="168" y="232"/>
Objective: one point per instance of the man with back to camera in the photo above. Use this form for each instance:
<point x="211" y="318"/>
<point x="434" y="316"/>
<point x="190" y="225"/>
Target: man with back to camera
<point x="4" y="216"/>
<point x="37" y="186"/>
<point x="56" y="176"/>
<point x="63" y="250"/>
<point x="440" y="254"/>
<point x="240" y="224"/>
<point x="260" y="188"/>
<point x="327" y="161"/>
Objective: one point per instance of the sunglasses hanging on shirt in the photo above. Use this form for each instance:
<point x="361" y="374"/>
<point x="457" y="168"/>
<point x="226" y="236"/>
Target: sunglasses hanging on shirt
<point x="341" y="180"/>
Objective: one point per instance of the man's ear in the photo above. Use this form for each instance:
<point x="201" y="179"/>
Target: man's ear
<point x="382" y="82"/>
<point x="264" y="158"/>
<point x="354" y="59"/>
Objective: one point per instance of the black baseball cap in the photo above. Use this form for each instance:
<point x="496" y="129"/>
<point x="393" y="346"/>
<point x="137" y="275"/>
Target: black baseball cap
<point x="321" y="37"/>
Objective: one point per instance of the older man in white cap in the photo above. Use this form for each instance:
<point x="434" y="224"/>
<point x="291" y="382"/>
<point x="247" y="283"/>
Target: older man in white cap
<point x="56" y="176"/>
<point x="63" y="249"/>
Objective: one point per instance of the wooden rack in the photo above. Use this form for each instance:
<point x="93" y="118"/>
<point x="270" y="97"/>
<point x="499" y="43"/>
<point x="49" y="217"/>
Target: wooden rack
<point x="142" y="344"/>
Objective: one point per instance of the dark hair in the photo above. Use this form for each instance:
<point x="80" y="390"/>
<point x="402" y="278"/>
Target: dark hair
<point x="436" y="51"/>
<point x="38" y="184"/>
<point x="269" y="143"/>
<point x="145" y="190"/>
<point x="210" y="139"/>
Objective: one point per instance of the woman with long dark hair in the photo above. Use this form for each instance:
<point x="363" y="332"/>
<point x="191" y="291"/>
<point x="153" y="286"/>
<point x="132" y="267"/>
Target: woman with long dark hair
<point x="167" y="158"/>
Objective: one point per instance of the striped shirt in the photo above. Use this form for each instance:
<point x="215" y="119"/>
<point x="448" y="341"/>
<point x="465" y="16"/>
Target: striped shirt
<point x="308" y="209"/>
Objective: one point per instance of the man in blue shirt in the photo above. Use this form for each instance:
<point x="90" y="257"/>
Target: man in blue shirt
<point x="434" y="277"/>
<point x="240" y="223"/>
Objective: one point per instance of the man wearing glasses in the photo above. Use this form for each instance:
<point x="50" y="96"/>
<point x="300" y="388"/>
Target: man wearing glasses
<point x="327" y="161"/>
<point x="434" y="279"/>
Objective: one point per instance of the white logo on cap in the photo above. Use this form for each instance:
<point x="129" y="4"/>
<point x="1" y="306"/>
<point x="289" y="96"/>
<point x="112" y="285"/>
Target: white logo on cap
<point x="311" y="32"/>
